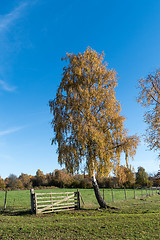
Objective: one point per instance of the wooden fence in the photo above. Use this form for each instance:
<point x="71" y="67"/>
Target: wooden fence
<point x="53" y="202"/>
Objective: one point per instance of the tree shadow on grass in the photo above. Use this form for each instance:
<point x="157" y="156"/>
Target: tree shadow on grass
<point x="10" y="212"/>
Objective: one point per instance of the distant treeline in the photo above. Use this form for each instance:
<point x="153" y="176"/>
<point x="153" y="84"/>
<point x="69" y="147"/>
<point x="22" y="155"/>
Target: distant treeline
<point x="60" y="178"/>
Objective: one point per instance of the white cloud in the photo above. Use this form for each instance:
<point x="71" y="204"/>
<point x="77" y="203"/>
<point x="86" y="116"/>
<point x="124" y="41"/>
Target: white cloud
<point x="11" y="130"/>
<point x="6" y="87"/>
<point x="7" y="20"/>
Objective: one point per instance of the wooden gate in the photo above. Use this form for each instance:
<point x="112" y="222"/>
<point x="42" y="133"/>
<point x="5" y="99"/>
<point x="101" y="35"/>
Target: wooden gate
<point x="53" y="202"/>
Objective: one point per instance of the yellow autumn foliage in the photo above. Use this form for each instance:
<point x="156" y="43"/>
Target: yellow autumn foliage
<point x="86" y="121"/>
<point x="149" y="97"/>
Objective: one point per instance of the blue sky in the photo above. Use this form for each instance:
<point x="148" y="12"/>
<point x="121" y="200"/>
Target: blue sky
<point x="34" y="35"/>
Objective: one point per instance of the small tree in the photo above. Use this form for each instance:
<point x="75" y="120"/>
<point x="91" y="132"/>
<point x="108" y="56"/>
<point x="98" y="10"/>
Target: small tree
<point x="40" y="179"/>
<point x="87" y="123"/>
<point x="125" y="176"/>
<point x="142" y="177"/>
<point x="2" y="183"/>
<point x="61" y="178"/>
<point x="149" y="97"/>
<point x="11" y="181"/>
<point x="26" y="180"/>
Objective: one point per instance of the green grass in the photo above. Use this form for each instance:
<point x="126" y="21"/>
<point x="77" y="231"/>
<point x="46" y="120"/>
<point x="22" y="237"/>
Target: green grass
<point x="20" y="200"/>
<point x="134" y="219"/>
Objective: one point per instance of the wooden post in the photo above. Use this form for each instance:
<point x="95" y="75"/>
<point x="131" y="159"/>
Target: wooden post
<point x="78" y="199"/>
<point x="112" y="195"/>
<point x="146" y="192"/>
<point x="103" y="194"/>
<point x="125" y="194"/>
<point x="32" y="194"/>
<point x="81" y="198"/>
<point x="35" y="202"/>
<point x="5" y="201"/>
<point x="134" y="193"/>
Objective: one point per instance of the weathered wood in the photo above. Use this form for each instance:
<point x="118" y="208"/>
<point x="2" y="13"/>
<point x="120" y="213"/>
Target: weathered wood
<point x="55" y="208"/>
<point x="48" y="202"/>
<point x="53" y="201"/>
<point x="81" y="198"/>
<point x="60" y="193"/>
<point x="49" y="197"/>
<point x="125" y="194"/>
<point x="134" y="194"/>
<point x="59" y="210"/>
<point x="112" y="195"/>
<point x="32" y="194"/>
<point x="36" y="209"/>
<point x="5" y="201"/>
<point x="61" y="204"/>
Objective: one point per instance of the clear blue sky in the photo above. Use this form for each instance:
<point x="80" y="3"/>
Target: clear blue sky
<point x="34" y="35"/>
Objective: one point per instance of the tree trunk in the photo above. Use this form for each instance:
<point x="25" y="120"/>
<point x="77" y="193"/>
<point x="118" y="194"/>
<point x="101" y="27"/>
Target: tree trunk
<point x="99" y="198"/>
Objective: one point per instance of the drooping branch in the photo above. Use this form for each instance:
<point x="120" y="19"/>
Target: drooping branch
<point x="86" y="116"/>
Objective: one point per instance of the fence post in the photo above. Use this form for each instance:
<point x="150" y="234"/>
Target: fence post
<point x="125" y="194"/>
<point x="103" y="193"/>
<point x="78" y="199"/>
<point x="5" y="201"/>
<point x="112" y="195"/>
<point x="134" y="193"/>
<point x="32" y="194"/>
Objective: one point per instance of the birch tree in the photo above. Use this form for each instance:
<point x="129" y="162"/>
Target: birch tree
<point x="87" y="123"/>
<point x="149" y="98"/>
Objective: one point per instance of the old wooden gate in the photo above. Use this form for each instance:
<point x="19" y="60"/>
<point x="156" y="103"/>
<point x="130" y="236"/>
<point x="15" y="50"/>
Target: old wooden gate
<point x="53" y="202"/>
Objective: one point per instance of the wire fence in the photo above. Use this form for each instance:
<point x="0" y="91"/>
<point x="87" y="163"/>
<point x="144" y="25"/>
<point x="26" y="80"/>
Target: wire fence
<point x="19" y="201"/>
<point x="114" y="195"/>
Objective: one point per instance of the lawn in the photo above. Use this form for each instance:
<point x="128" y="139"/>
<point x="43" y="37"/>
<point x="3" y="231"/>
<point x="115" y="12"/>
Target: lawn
<point x="133" y="219"/>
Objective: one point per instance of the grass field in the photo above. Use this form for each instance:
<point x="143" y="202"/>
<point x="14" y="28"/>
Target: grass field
<point x="20" y="200"/>
<point x="134" y="219"/>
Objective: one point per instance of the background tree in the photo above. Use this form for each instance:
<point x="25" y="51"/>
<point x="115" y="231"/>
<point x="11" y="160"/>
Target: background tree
<point x="26" y="180"/>
<point x="149" y="97"/>
<point x="156" y="179"/>
<point x="11" y="181"/>
<point x="142" y="177"/>
<point x="87" y="123"/>
<point x="39" y="179"/>
<point x="125" y="176"/>
<point x="121" y="175"/>
<point x="61" y="178"/>
<point x="2" y="183"/>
